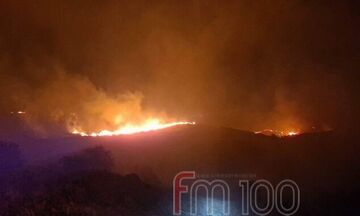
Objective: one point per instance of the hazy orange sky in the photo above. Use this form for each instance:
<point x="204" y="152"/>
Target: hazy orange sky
<point x="244" y="64"/>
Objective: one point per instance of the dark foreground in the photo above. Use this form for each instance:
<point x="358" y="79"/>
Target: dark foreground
<point x="132" y="175"/>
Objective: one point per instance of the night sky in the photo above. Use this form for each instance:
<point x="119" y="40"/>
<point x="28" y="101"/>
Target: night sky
<point x="243" y="64"/>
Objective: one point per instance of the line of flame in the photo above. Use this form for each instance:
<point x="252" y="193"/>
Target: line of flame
<point x="151" y="125"/>
<point x="278" y="133"/>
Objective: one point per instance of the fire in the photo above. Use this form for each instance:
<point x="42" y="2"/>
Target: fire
<point x="149" y="125"/>
<point x="292" y="133"/>
<point x="19" y="112"/>
<point x="270" y="132"/>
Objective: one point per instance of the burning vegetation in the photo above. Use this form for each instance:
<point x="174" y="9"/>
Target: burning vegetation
<point x="226" y="64"/>
<point x="148" y="125"/>
<point x="270" y="132"/>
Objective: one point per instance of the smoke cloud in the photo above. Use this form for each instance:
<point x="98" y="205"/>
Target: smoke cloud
<point x="244" y="64"/>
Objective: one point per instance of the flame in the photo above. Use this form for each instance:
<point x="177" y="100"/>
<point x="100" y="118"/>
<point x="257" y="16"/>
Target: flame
<point x="19" y="112"/>
<point x="292" y="133"/>
<point x="270" y="132"/>
<point x="149" y="125"/>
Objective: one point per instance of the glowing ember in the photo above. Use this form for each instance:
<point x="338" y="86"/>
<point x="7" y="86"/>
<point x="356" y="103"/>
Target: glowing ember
<point x="18" y="112"/>
<point x="149" y="125"/>
<point x="292" y="133"/>
<point x="270" y="132"/>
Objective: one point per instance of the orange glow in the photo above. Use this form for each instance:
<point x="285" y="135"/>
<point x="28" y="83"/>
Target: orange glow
<point x="270" y="132"/>
<point x="18" y="112"/>
<point x="292" y="133"/>
<point x="149" y="125"/>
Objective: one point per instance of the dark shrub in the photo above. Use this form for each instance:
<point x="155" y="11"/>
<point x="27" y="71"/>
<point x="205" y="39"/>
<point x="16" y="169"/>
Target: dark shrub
<point x="90" y="159"/>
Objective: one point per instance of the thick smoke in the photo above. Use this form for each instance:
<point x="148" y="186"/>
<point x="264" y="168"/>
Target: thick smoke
<point x="243" y="64"/>
<point x="73" y="102"/>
